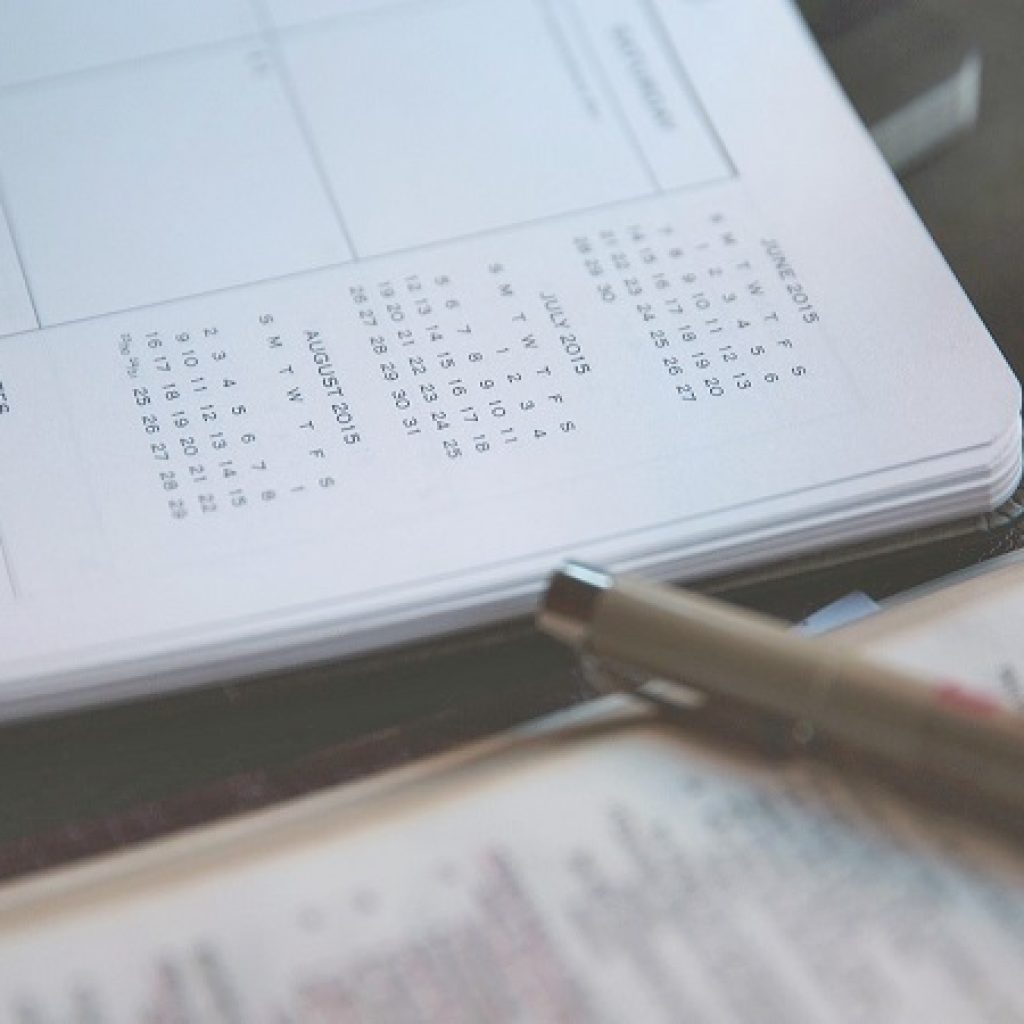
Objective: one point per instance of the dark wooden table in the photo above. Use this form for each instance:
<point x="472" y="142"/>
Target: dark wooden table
<point x="85" y="783"/>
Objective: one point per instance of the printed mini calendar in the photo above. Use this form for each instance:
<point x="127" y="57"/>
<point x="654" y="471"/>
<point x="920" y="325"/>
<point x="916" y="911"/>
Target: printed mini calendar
<point x="464" y="365"/>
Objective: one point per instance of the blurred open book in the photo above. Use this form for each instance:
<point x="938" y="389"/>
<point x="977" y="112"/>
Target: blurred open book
<point x="599" y="865"/>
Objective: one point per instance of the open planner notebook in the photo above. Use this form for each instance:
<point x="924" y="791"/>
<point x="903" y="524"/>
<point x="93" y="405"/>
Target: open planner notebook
<point x="598" y="866"/>
<point x="331" y="324"/>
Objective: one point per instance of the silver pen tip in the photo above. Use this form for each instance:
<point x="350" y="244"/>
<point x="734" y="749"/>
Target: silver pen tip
<point x="567" y="608"/>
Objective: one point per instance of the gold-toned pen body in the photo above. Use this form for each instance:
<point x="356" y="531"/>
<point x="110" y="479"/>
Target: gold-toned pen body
<point x="830" y="693"/>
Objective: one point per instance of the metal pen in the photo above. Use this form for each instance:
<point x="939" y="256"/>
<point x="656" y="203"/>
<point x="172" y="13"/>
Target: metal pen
<point x="928" y="731"/>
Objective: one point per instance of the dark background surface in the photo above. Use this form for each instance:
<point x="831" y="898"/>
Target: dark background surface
<point x="81" y="784"/>
<point x="972" y="196"/>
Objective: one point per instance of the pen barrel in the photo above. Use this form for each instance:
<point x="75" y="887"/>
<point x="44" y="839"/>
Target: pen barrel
<point x="936" y="736"/>
<point x="724" y="650"/>
<point x="939" y="734"/>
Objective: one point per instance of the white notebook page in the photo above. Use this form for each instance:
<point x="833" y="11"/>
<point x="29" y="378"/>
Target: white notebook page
<point x="328" y="323"/>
